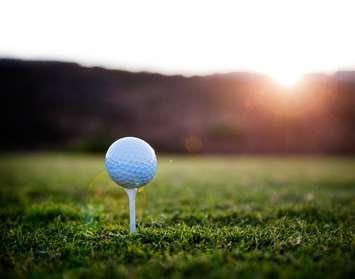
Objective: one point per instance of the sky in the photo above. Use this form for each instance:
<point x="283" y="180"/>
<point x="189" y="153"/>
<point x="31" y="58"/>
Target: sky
<point x="284" y="39"/>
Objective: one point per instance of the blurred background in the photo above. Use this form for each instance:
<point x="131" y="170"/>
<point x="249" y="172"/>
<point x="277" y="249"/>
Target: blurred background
<point x="195" y="78"/>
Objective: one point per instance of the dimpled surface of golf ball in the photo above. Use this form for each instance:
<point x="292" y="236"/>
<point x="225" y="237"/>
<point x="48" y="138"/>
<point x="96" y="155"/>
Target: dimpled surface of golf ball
<point x="131" y="162"/>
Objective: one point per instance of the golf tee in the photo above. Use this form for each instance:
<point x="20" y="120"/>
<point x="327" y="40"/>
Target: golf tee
<point x="132" y="209"/>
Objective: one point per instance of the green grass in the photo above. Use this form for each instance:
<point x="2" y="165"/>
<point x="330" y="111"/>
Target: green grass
<point x="201" y="217"/>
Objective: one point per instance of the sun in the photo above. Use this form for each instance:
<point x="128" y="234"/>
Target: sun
<point x="285" y="78"/>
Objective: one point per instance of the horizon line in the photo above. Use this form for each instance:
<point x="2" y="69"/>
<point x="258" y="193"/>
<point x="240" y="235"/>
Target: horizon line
<point x="186" y="74"/>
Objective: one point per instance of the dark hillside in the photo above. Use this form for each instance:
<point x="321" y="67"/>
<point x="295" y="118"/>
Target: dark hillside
<point x="48" y="105"/>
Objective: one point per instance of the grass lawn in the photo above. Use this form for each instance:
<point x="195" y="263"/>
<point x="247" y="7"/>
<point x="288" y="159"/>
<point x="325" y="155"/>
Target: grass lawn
<point x="203" y="217"/>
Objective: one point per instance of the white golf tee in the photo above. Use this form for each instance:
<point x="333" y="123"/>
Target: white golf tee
<point x="132" y="209"/>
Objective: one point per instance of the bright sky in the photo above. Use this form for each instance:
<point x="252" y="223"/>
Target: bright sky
<point x="284" y="39"/>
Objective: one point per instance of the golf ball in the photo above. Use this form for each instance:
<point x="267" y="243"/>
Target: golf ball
<point x="131" y="162"/>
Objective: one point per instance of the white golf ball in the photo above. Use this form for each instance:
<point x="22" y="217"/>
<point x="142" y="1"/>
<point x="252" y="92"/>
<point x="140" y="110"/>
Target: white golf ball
<point x="131" y="162"/>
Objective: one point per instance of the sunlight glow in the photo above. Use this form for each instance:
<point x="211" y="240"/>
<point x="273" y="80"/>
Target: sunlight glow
<point x="286" y="79"/>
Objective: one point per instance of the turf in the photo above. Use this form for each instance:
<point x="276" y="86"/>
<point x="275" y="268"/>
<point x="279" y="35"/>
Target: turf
<point x="211" y="217"/>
